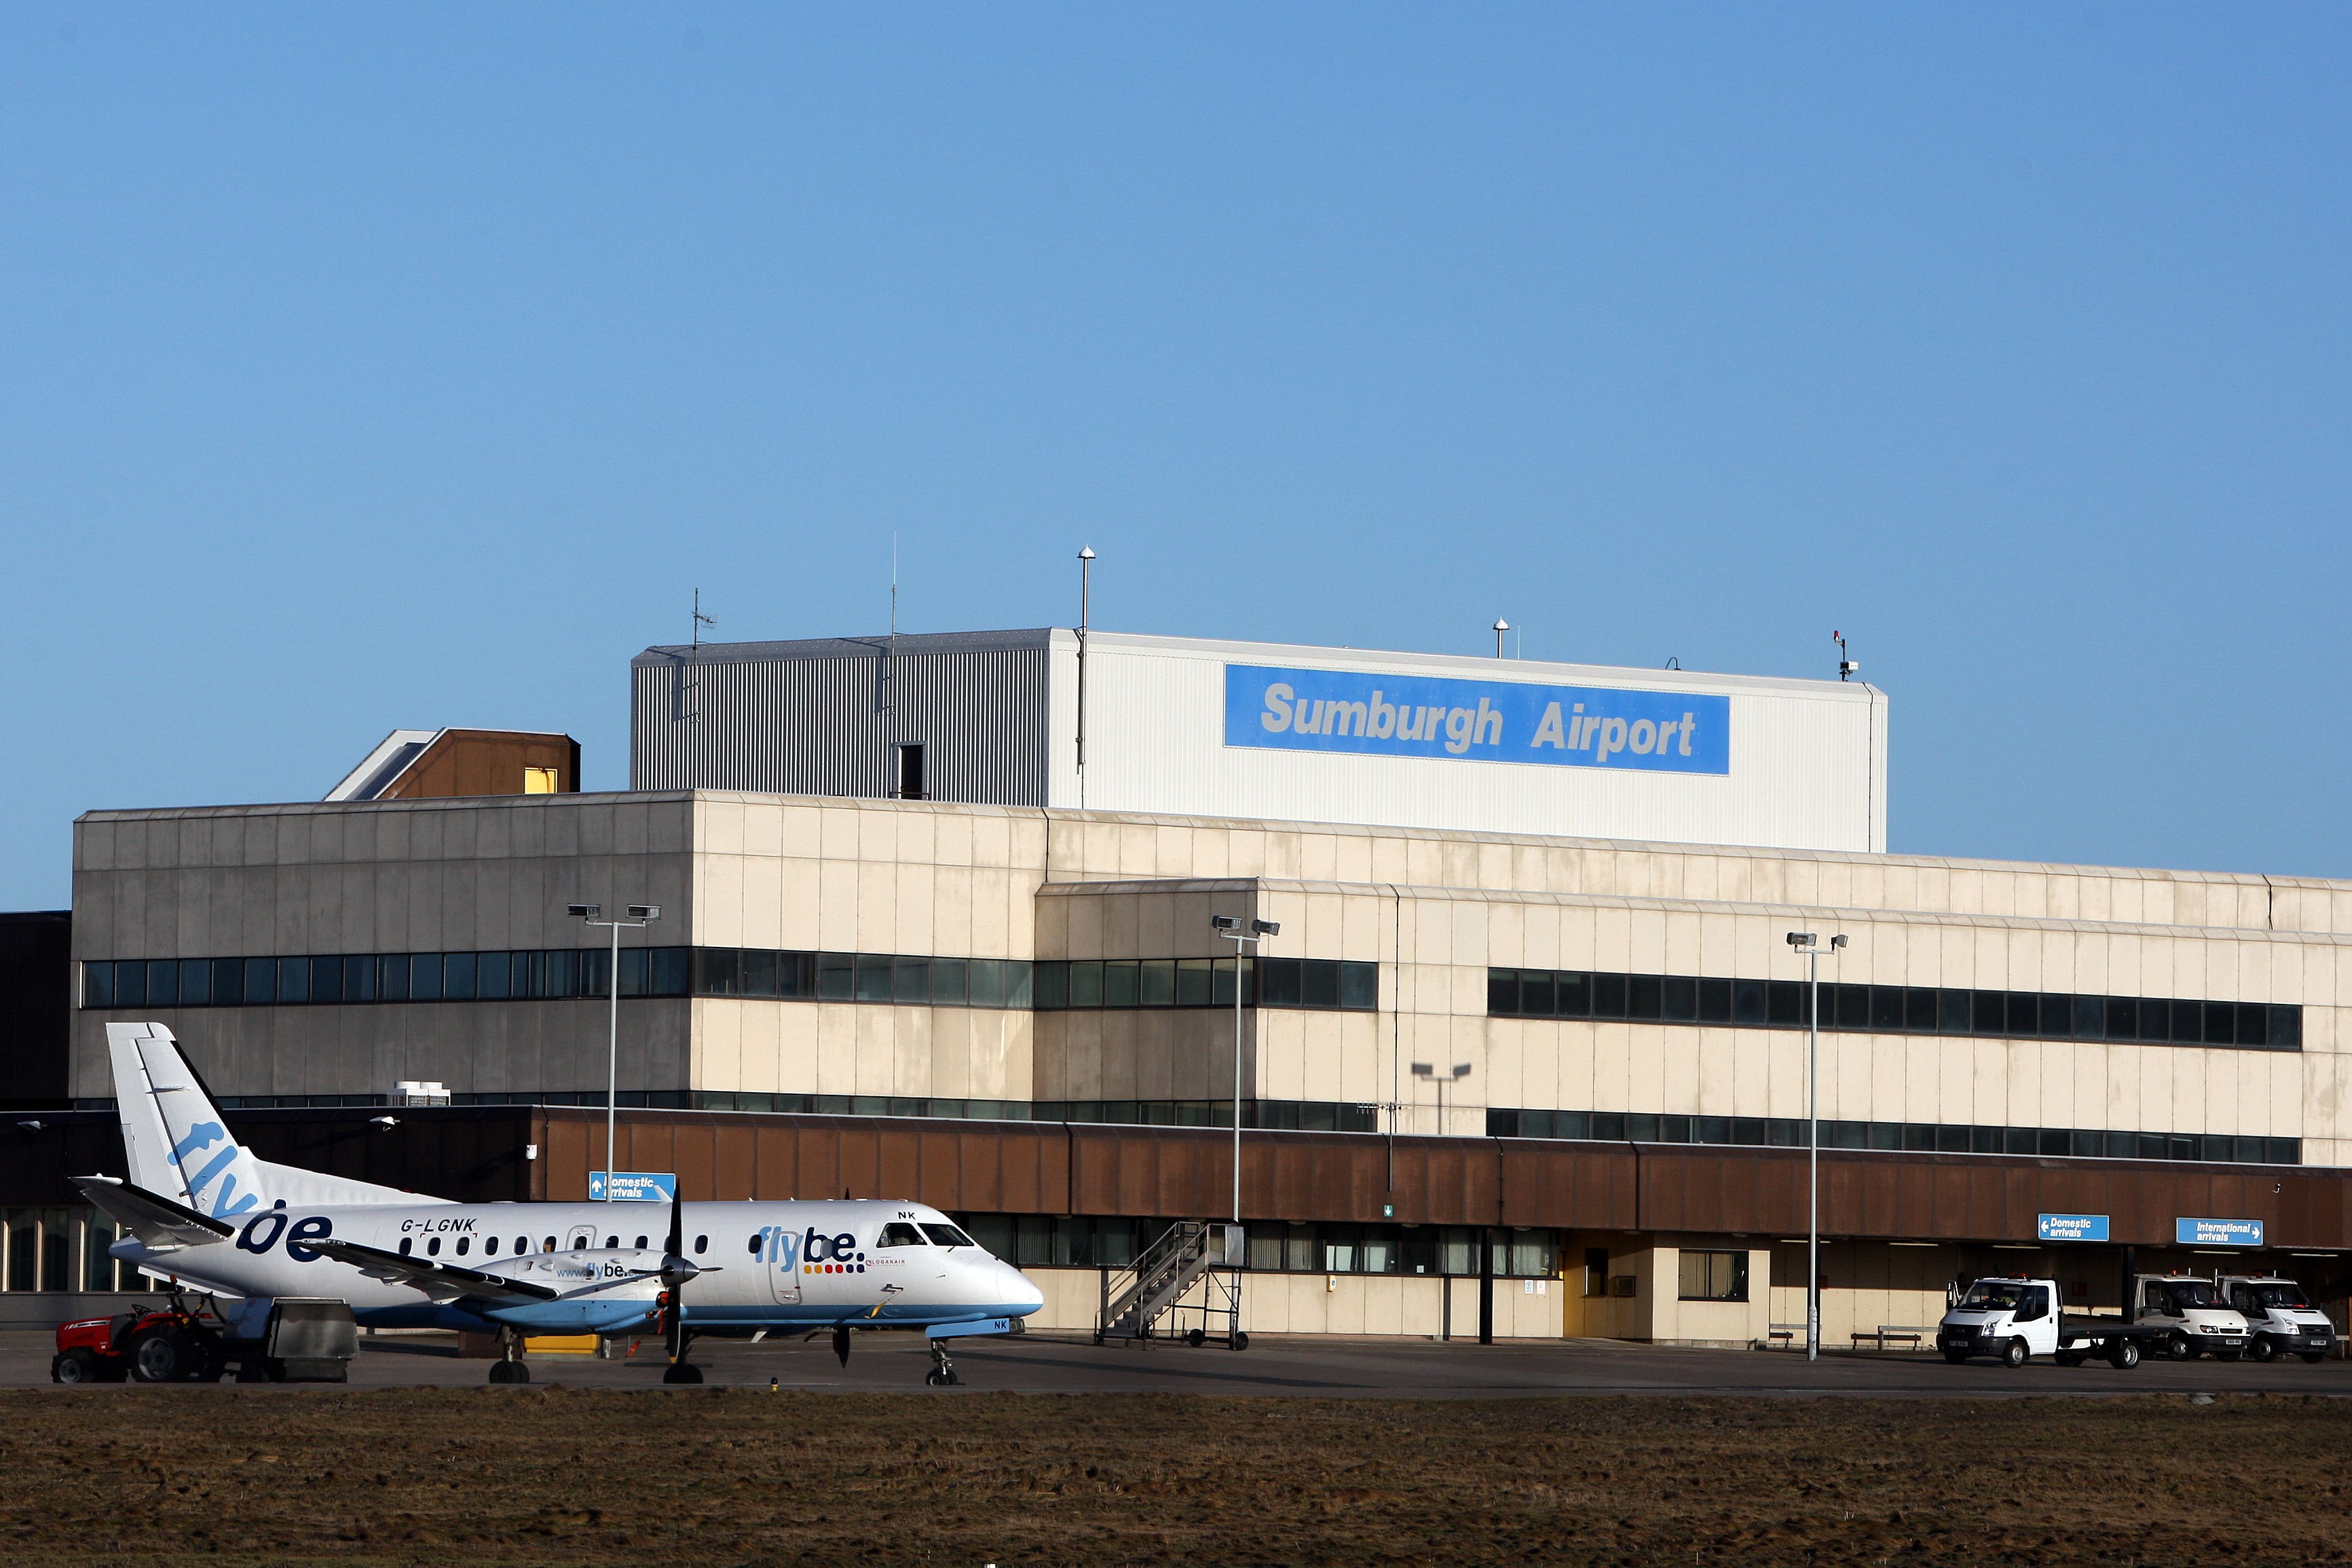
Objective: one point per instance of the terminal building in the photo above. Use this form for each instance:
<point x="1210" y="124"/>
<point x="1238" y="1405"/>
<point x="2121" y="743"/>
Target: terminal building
<point x="1526" y="1056"/>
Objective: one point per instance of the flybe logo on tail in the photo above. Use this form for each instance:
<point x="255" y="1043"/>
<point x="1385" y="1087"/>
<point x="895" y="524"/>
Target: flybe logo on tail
<point x="1482" y="721"/>
<point x="201" y="1137"/>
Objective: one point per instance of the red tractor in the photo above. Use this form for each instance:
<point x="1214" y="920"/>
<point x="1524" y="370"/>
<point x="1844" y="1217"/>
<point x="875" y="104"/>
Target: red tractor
<point x="153" y="1345"/>
<point x="301" y="1339"/>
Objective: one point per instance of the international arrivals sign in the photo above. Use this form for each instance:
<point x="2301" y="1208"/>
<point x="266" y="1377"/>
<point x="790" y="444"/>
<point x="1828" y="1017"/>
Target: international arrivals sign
<point x="1482" y="721"/>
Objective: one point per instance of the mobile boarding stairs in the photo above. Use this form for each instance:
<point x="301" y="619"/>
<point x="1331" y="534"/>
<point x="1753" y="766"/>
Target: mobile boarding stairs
<point x="1187" y="1285"/>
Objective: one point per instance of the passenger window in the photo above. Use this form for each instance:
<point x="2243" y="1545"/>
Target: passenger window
<point x="611" y="1242"/>
<point x="522" y="1244"/>
<point x="899" y="1233"/>
<point x="432" y="1247"/>
<point x="701" y="1245"/>
<point x="464" y="1245"/>
<point x="752" y="1247"/>
<point x="551" y="1245"/>
<point x="490" y="1246"/>
<point x="405" y="1243"/>
<point x="947" y="1235"/>
<point x="641" y="1243"/>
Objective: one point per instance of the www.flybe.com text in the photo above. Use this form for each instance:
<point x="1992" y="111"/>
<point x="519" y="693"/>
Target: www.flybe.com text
<point x="1496" y="722"/>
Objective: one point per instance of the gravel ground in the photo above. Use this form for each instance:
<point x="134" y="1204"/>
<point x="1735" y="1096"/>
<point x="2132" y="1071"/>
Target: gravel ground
<point x="738" y="1476"/>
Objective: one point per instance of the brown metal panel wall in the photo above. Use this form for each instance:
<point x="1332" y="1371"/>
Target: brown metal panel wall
<point x="735" y="1159"/>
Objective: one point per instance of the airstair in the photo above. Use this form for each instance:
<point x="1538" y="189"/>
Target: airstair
<point x="1186" y="1285"/>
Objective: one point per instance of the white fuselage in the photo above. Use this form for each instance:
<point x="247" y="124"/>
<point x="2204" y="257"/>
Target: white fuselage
<point x="775" y="1265"/>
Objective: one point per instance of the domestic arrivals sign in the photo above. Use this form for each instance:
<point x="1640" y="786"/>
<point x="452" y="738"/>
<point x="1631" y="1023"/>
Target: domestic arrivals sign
<point x="2072" y="1227"/>
<point x="1485" y="720"/>
<point x="633" y="1186"/>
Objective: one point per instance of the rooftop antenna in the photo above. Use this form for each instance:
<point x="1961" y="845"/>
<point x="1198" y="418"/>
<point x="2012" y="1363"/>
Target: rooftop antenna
<point x="1501" y="626"/>
<point x="1847" y="668"/>
<point x="700" y="620"/>
<point x="894" y="584"/>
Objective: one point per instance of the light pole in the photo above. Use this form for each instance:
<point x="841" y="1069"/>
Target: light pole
<point x="1230" y="928"/>
<point x="1802" y="940"/>
<point x="639" y="915"/>
<point x="1423" y="1069"/>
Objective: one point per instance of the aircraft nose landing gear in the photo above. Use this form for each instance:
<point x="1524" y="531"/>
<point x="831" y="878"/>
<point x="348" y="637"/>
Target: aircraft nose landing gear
<point x="944" y="1371"/>
<point x="509" y="1367"/>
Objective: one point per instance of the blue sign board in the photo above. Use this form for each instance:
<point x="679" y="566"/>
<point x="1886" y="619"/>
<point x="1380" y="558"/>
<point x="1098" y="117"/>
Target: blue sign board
<point x="633" y="1187"/>
<point x="2218" y="1232"/>
<point x="2072" y="1227"/>
<point x="1481" y="721"/>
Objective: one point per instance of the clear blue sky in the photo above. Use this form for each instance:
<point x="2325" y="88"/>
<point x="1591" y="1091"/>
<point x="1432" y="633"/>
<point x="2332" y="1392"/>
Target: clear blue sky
<point x="372" y="366"/>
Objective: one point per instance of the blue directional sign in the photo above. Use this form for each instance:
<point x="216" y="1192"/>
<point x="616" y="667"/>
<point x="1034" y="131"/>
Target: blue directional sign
<point x="2072" y="1227"/>
<point x="633" y="1187"/>
<point x="2218" y="1232"/>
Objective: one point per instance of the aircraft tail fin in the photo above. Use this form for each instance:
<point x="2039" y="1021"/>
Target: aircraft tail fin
<point x="177" y="1142"/>
<point x="180" y="1147"/>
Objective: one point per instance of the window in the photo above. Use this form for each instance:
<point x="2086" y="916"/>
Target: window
<point x="909" y="770"/>
<point x="641" y="1243"/>
<point x="464" y="1245"/>
<point x="899" y="1233"/>
<point x="1892" y="1009"/>
<point x="538" y="781"/>
<point x="701" y="1245"/>
<point x="405" y="1243"/>
<point x="1596" y="1271"/>
<point x="1713" y="1276"/>
<point x="490" y="1246"/>
<point x="551" y="1245"/>
<point x="432" y="1247"/>
<point x="946" y="1235"/>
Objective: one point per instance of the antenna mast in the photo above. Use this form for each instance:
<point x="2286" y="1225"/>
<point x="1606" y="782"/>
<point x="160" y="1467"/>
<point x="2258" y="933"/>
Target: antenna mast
<point x="700" y="620"/>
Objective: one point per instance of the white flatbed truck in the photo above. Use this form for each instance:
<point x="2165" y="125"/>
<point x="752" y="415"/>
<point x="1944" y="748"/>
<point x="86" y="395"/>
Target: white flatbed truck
<point x="2013" y="1319"/>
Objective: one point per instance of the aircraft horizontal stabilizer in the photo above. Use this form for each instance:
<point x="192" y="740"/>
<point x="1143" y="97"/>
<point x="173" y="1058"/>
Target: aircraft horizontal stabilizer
<point x="159" y="1223"/>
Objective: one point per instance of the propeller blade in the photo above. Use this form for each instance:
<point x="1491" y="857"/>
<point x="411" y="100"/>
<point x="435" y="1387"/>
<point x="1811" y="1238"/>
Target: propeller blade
<point x="676" y="1271"/>
<point x="841" y="1343"/>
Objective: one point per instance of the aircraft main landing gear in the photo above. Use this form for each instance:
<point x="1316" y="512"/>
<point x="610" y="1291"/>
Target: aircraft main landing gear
<point x="681" y="1369"/>
<point x="509" y="1367"/>
<point x="944" y="1371"/>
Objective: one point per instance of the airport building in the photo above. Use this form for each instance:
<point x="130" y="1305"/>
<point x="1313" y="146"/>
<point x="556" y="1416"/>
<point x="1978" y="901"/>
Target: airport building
<point x="1527" y="1054"/>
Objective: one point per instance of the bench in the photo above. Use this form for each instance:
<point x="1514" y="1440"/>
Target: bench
<point x="1912" y="1334"/>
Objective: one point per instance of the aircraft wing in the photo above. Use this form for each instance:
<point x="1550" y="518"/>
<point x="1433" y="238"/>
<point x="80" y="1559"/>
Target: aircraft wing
<point x="443" y="1282"/>
<point x="161" y="1223"/>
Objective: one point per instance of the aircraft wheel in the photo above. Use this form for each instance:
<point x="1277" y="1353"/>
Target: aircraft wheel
<point x="76" y="1366"/>
<point x="2125" y="1356"/>
<point x="2013" y="1353"/>
<point x="682" y="1372"/>
<point x="509" y="1371"/>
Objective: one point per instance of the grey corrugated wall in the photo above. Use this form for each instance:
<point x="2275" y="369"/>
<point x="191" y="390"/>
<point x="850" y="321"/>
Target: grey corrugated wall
<point x="824" y="723"/>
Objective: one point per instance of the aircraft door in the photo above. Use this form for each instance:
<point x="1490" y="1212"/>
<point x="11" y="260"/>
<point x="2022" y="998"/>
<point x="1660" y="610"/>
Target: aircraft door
<point x="777" y="1249"/>
<point x="582" y="1237"/>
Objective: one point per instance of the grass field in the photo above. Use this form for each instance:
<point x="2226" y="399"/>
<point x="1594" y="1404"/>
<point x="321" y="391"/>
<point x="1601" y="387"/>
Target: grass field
<point x="542" y="1474"/>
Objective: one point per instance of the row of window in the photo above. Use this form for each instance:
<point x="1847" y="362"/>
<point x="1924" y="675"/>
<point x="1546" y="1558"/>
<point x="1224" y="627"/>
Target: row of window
<point x="1913" y="1136"/>
<point x="1049" y="984"/>
<point x="1892" y="1009"/>
<point x="1271" y="1115"/>
<point x="1044" y="1241"/>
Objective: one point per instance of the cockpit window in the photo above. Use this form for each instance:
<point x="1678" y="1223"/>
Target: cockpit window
<point x="899" y="1233"/>
<point x="947" y="1235"/>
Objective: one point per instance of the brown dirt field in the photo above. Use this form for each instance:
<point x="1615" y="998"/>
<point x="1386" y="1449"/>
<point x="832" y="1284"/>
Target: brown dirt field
<point x="543" y="1475"/>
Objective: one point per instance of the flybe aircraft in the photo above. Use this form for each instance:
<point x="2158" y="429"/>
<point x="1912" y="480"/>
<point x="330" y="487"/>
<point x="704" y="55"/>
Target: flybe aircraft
<point x="204" y="1211"/>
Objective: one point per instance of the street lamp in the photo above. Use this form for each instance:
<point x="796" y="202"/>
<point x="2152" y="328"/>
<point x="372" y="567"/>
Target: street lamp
<point x="1803" y="941"/>
<point x="1423" y="1069"/>
<point x="639" y="915"/>
<point x="1230" y="928"/>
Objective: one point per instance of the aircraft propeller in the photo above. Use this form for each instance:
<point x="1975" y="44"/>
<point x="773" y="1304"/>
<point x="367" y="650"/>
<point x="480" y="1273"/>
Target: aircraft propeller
<point x="677" y="1269"/>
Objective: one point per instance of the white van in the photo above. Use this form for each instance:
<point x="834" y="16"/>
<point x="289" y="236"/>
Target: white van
<point x="2197" y="1320"/>
<point x="2279" y="1316"/>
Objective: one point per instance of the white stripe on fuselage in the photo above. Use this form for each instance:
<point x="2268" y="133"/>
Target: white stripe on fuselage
<point x="760" y="1270"/>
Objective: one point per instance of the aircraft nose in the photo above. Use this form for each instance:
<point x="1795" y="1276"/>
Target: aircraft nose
<point x="1021" y="1290"/>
